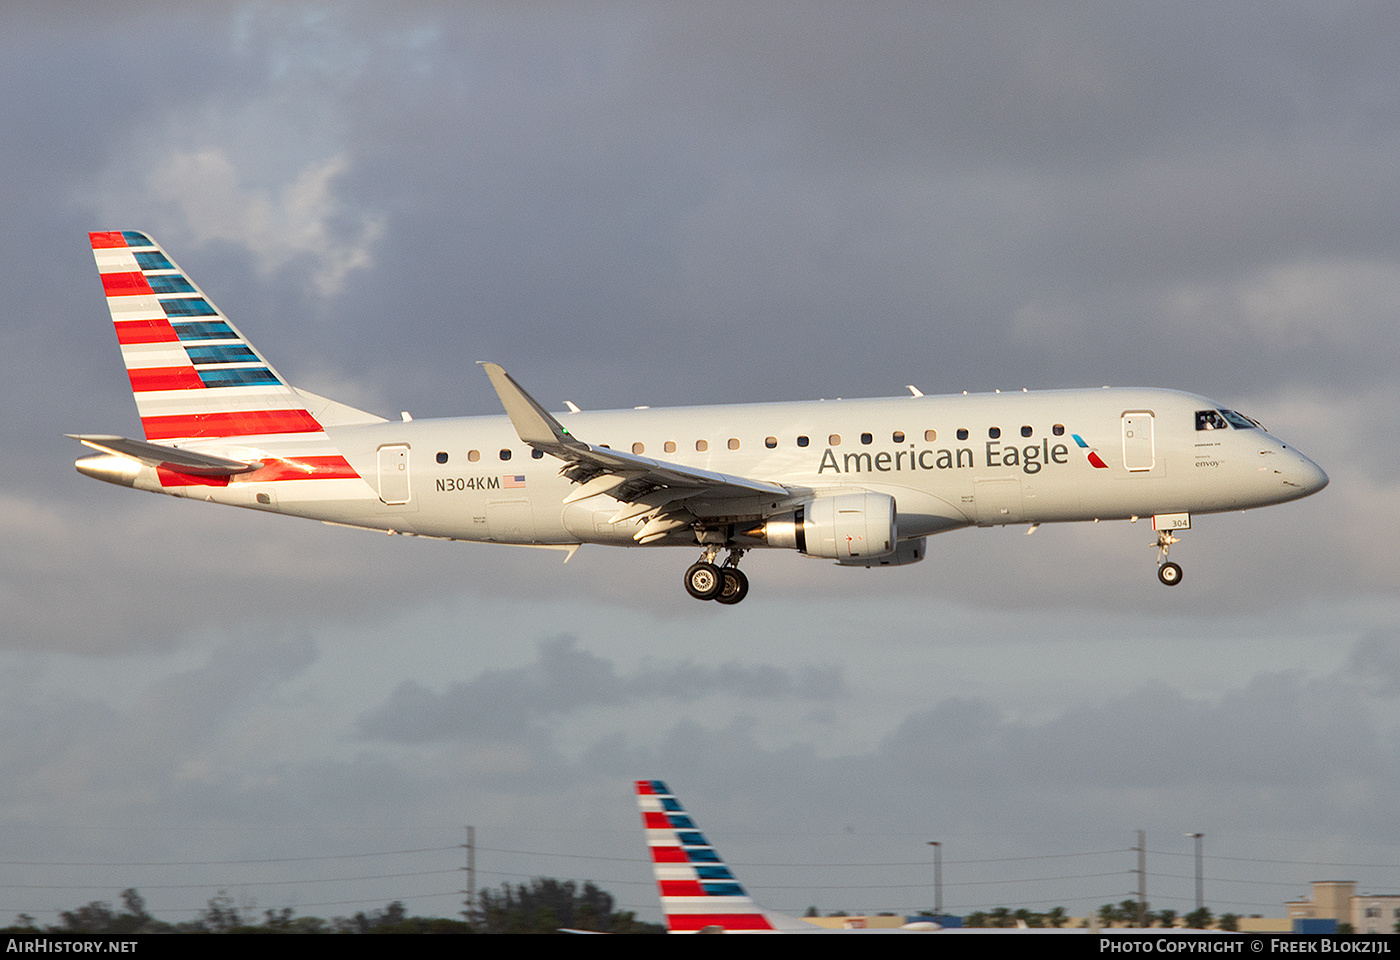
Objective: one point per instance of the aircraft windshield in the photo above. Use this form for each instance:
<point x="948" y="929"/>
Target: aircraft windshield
<point x="1223" y="419"/>
<point x="1239" y="421"/>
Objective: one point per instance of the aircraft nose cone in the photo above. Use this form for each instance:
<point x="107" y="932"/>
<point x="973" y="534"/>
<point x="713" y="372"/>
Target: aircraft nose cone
<point x="1306" y="475"/>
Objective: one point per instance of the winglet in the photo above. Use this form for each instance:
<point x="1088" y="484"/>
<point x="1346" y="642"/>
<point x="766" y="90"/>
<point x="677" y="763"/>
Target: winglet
<point x="532" y="422"/>
<point x="538" y="428"/>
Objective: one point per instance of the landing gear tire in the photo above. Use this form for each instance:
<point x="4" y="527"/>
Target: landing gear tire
<point x="704" y="581"/>
<point x="736" y="586"/>
<point x="1169" y="573"/>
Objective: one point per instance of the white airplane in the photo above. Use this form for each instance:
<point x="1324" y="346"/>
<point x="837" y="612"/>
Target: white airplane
<point x="698" y="892"/>
<point x="860" y="482"/>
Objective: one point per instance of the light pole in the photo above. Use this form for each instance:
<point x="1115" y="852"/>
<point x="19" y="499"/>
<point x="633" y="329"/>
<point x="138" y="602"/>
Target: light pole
<point x="937" y="877"/>
<point x="1200" y="880"/>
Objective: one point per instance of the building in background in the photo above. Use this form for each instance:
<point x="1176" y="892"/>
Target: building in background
<point x="1338" y="901"/>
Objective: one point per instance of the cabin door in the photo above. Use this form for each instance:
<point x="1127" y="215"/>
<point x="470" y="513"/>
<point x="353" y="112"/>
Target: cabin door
<point x="393" y="473"/>
<point x="1139" y="452"/>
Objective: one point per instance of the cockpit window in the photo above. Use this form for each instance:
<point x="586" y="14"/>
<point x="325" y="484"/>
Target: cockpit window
<point x="1224" y="419"/>
<point x="1239" y="421"/>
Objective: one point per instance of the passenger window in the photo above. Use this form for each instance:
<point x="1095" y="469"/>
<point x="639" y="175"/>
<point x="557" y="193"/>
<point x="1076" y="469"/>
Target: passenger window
<point x="473" y="455"/>
<point x="1026" y="431"/>
<point x="962" y="433"/>
<point x="866" y="438"/>
<point x="802" y="441"/>
<point x="834" y="440"/>
<point x="669" y="446"/>
<point x="994" y="432"/>
<point x="505" y="454"/>
<point x="733" y="444"/>
<point x="930" y="435"/>
<point x="1058" y="429"/>
<point x="898" y="436"/>
<point x="442" y="457"/>
<point x="702" y="445"/>
<point x="770" y="442"/>
<point x="537" y="454"/>
<point x="639" y="448"/>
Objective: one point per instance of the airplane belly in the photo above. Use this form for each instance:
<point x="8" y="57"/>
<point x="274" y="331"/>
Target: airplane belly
<point x="998" y="502"/>
<point x="523" y="520"/>
<point x="921" y="514"/>
<point x="511" y="521"/>
<point x="588" y="522"/>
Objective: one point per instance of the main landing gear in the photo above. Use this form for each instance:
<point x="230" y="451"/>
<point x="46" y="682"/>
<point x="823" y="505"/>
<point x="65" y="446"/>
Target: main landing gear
<point x="707" y="581"/>
<point x="1167" y="572"/>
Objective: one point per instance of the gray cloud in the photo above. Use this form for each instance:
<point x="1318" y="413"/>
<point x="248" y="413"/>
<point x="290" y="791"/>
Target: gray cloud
<point x="1375" y="662"/>
<point x="75" y="756"/>
<point x="565" y="680"/>
<point x="652" y="205"/>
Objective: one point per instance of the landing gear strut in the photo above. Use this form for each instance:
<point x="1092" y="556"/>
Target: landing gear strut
<point x="1167" y="572"/>
<point x="707" y="581"/>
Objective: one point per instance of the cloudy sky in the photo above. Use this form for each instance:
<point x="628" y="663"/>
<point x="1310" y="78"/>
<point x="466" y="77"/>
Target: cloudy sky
<point x="647" y="203"/>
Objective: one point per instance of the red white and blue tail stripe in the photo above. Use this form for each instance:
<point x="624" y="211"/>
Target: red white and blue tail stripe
<point x="200" y="385"/>
<point x="194" y="375"/>
<point x="698" y="893"/>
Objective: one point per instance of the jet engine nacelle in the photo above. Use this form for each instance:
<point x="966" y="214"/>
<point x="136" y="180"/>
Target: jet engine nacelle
<point x="849" y="527"/>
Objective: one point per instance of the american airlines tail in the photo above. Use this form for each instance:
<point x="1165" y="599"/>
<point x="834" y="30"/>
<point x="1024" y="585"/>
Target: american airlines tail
<point x="211" y="406"/>
<point x="698" y="893"/>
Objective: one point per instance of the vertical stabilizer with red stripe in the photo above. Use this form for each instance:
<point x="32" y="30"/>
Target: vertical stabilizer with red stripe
<point x="194" y="375"/>
<point x="698" y="893"/>
<point x="201" y="385"/>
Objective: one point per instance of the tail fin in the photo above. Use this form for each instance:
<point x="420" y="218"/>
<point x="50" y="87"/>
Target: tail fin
<point x="698" y="893"/>
<point x="194" y="375"/>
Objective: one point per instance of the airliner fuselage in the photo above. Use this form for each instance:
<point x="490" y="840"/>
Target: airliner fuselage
<point x="861" y="482"/>
<point x="948" y="462"/>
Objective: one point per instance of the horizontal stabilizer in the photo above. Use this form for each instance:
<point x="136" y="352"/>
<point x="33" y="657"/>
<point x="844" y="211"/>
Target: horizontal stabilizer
<point x="182" y="461"/>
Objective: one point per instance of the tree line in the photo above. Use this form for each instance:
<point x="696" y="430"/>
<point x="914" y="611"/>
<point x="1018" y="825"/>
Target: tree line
<point x="544" y="905"/>
<point x="1123" y="914"/>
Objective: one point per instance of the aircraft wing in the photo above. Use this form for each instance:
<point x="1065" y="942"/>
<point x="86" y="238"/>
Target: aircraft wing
<point x="622" y="476"/>
<point x="157" y="455"/>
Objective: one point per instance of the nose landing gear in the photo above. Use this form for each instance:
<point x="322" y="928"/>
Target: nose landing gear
<point x="707" y="581"/>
